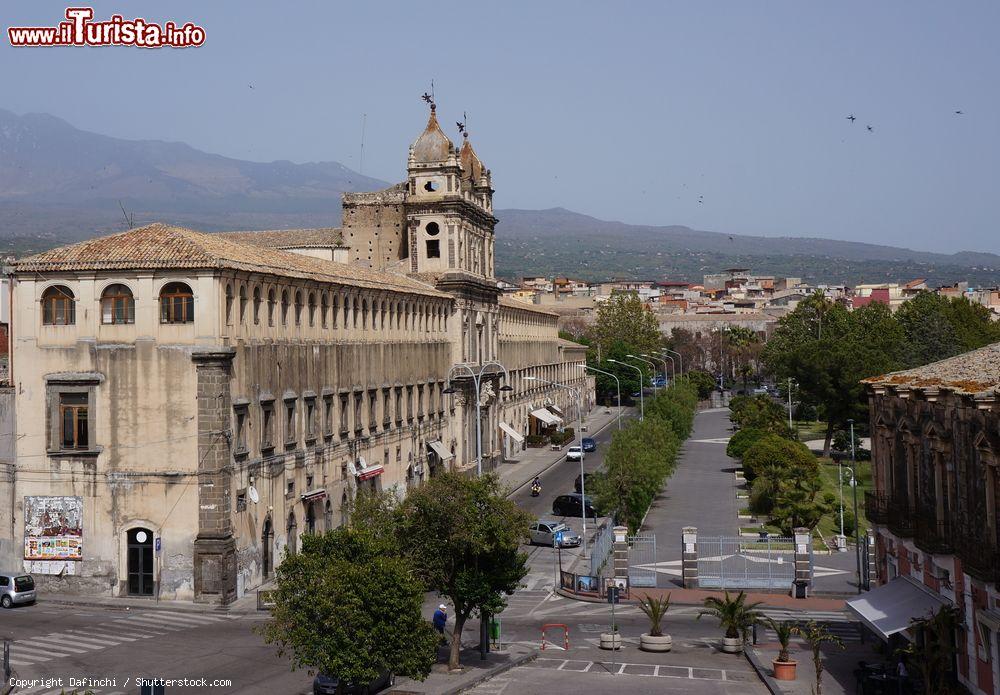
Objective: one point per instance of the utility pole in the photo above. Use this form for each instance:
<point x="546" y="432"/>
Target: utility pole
<point x="790" y="404"/>
<point x="857" y="522"/>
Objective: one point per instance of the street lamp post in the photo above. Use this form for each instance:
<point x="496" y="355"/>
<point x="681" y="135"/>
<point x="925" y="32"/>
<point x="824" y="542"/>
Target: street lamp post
<point x="651" y="364"/>
<point x="790" y="426"/>
<point x="857" y="522"/>
<point x="642" y="407"/>
<point x="618" y="385"/>
<point x="579" y="430"/>
<point x="673" y="369"/>
<point x="680" y="359"/>
<point x="477" y="380"/>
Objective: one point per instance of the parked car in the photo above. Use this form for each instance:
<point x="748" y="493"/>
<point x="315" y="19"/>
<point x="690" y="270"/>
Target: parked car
<point x="544" y="532"/>
<point x="586" y="480"/>
<point x="16" y="588"/>
<point x="570" y="505"/>
<point x="574" y="453"/>
<point x="325" y="684"/>
<point x="589" y="444"/>
<point x="760" y="391"/>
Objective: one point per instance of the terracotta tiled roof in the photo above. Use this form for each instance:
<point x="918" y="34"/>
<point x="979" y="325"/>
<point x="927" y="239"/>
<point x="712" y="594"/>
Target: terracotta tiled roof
<point x="164" y="246"/>
<point x="289" y="238"/>
<point x="527" y="306"/>
<point x="974" y="372"/>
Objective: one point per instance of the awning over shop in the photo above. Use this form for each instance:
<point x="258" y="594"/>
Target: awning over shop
<point x="439" y="449"/>
<point x="314" y="495"/>
<point x="546" y="417"/>
<point x="511" y="432"/>
<point x="556" y="409"/>
<point x="369" y="473"/>
<point x="891" y="607"/>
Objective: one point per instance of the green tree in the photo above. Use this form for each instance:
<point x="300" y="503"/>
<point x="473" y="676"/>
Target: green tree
<point x="796" y="505"/>
<point x="936" y="327"/>
<point x="932" y="656"/>
<point x="624" y="318"/>
<point x="816" y="635"/>
<point x="744" y="438"/>
<point x="775" y="452"/>
<point x="743" y="346"/>
<point x="346" y="606"/>
<point x="463" y="536"/>
<point x="702" y="381"/>
<point x="829" y="350"/>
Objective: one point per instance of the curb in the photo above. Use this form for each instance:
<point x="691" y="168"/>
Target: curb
<point x="482" y="677"/>
<point x="209" y="609"/>
<point x="766" y="678"/>
<point x="559" y="460"/>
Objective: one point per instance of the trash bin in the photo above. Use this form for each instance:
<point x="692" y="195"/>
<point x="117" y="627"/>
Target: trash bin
<point x="801" y="588"/>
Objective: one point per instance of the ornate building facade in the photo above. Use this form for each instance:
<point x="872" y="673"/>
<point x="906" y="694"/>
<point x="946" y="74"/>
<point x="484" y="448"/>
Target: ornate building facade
<point x="190" y="404"/>
<point x="936" y="455"/>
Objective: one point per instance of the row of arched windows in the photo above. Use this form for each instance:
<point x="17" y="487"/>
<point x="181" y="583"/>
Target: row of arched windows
<point x="118" y="305"/>
<point x="331" y="310"/>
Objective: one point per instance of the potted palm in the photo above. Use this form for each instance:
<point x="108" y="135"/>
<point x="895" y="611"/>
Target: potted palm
<point x="784" y="666"/>
<point x="655" y="640"/>
<point x="735" y="616"/>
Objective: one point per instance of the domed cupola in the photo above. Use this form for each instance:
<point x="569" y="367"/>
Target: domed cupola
<point x="433" y="146"/>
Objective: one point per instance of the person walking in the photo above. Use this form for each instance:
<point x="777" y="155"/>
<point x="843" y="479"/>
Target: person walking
<point x="440" y="619"/>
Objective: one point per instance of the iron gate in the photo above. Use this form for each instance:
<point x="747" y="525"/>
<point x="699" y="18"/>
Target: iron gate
<point x="734" y="562"/>
<point x="642" y="560"/>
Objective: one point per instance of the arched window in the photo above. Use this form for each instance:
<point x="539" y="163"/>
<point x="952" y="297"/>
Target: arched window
<point x="256" y="305"/>
<point x="58" y="306"/>
<point x="176" y="303"/>
<point x="312" y="309"/>
<point x="229" y="305"/>
<point x="364" y="314"/>
<point x="298" y="308"/>
<point x="336" y="309"/>
<point x="270" y="307"/>
<point x="284" y="307"/>
<point x="243" y="303"/>
<point x="117" y="305"/>
<point x="324" y="309"/>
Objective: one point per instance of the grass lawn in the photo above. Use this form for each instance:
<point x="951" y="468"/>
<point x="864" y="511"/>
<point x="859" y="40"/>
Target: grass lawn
<point x="830" y="524"/>
<point x="810" y="429"/>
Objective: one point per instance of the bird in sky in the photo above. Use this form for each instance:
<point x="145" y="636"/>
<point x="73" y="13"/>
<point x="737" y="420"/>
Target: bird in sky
<point x="958" y="113"/>
<point x="851" y="118"/>
<point x="250" y="86"/>
<point x="731" y="239"/>
<point x="870" y="129"/>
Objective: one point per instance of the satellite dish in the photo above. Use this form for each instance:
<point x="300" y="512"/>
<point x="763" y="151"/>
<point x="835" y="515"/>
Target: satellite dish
<point x="252" y="492"/>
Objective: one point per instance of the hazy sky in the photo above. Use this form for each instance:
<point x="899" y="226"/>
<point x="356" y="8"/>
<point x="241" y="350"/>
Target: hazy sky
<point x="626" y="111"/>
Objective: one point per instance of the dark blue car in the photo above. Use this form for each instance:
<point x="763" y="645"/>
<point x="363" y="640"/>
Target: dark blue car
<point x="328" y="685"/>
<point x="589" y="444"/>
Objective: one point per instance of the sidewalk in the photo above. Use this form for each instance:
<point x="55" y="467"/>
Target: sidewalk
<point x="838" y="667"/>
<point x="531" y="462"/>
<point x="244" y="606"/>
<point x="474" y="671"/>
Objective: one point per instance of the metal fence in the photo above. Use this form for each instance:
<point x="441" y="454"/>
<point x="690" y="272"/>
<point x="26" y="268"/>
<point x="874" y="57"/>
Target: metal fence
<point x="604" y="543"/>
<point x="736" y="562"/>
<point x="642" y="559"/>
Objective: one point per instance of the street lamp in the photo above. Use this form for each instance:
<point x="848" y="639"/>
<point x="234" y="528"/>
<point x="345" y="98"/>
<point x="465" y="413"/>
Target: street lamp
<point x="583" y="492"/>
<point x="477" y="379"/>
<point x="618" y="385"/>
<point x="680" y="359"/>
<point x="673" y="369"/>
<point x="790" y="426"/>
<point x="857" y="521"/>
<point x="651" y="364"/>
<point x="642" y="407"/>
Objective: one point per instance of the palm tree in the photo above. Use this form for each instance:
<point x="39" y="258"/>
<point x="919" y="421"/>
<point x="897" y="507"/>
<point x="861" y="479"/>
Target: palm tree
<point x="816" y="635"/>
<point x="784" y="631"/>
<point x="655" y="609"/>
<point x="735" y="615"/>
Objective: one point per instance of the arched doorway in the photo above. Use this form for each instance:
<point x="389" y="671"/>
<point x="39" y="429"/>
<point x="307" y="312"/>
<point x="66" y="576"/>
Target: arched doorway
<point x="293" y="532"/>
<point x="328" y="516"/>
<point x="310" y="519"/>
<point x="140" y="562"/>
<point x="266" y="543"/>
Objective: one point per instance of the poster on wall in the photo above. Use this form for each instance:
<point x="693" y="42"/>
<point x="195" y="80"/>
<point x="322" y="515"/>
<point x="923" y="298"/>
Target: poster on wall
<point x="53" y="529"/>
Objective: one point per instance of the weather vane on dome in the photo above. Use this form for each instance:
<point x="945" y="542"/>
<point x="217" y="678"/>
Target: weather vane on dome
<point x="461" y="125"/>
<point x="429" y="97"/>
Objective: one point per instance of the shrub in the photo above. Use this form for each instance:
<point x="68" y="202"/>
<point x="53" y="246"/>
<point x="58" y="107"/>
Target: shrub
<point x="741" y="441"/>
<point x="536" y="439"/>
<point x="703" y="382"/>
<point x="773" y="451"/>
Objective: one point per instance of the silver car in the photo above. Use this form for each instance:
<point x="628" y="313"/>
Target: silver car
<point x="545" y="532"/>
<point x="16" y="588"/>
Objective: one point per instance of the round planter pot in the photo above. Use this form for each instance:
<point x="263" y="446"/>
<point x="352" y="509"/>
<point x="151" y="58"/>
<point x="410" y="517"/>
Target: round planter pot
<point x="648" y="643"/>
<point x="611" y="640"/>
<point x="784" y="670"/>
<point x="732" y="645"/>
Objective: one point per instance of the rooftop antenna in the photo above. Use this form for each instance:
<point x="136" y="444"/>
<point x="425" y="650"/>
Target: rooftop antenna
<point x="364" y="120"/>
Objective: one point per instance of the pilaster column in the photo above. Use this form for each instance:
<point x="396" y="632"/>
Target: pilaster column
<point x="803" y="561"/>
<point x="214" y="546"/>
<point x="689" y="561"/>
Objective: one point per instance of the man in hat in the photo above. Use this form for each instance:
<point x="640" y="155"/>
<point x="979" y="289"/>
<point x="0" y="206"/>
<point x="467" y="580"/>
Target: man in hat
<point x="440" y="619"/>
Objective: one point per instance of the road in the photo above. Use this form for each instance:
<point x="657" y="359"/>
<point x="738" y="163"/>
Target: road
<point x="59" y="642"/>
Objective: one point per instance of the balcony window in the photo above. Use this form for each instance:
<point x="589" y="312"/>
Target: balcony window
<point x="117" y="305"/>
<point x="176" y="303"/>
<point x="58" y="306"/>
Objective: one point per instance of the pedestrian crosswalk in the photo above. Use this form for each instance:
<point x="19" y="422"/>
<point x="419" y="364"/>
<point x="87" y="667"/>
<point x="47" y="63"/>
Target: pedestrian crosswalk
<point x="132" y="627"/>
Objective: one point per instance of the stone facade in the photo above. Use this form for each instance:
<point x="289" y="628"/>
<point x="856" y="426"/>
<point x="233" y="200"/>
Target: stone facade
<point x="208" y="398"/>
<point x="936" y="452"/>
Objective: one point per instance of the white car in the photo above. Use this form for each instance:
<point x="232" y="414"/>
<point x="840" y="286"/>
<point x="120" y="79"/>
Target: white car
<point x="545" y="532"/>
<point x="575" y="453"/>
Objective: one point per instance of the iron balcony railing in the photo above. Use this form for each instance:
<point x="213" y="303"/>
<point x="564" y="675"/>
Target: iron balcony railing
<point x="979" y="556"/>
<point x="900" y="517"/>
<point x="877" y="507"/>
<point x="932" y="535"/>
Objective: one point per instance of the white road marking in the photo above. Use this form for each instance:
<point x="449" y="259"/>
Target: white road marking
<point x="48" y="642"/>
